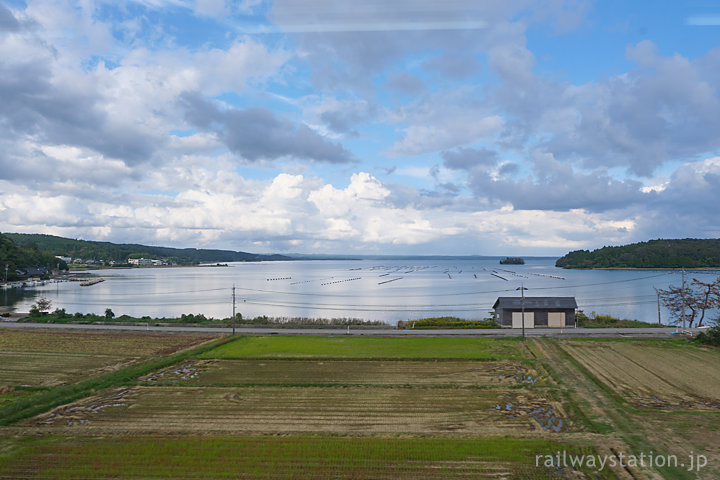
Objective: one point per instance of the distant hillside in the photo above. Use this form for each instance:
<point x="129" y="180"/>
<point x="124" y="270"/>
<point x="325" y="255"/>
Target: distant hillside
<point x="107" y="251"/>
<point x="688" y="253"/>
<point x="16" y="257"/>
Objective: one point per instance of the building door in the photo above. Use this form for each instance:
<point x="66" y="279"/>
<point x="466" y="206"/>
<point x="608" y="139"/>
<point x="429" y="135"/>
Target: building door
<point x="517" y="319"/>
<point x="556" y="319"/>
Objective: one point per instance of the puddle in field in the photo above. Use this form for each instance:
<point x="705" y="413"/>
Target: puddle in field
<point x="516" y="406"/>
<point x="186" y="371"/>
<point x="519" y="375"/>
<point x="78" y="414"/>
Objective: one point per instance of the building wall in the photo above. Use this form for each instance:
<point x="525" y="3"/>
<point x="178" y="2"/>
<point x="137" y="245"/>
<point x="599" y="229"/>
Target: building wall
<point x="541" y="316"/>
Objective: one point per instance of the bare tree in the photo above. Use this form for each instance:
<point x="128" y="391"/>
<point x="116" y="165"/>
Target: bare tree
<point x="695" y="300"/>
<point x="707" y="297"/>
<point x="677" y="301"/>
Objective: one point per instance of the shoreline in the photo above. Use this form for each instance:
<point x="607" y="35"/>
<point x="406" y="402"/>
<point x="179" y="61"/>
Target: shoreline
<point x="651" y="269"/>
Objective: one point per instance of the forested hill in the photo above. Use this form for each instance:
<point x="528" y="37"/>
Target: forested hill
<point x="16" y="257"/>
<point x="688" y="253"/>
<point x="107" y="251"/>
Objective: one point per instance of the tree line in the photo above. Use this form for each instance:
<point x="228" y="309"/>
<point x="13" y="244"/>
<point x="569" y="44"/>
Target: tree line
<point x="17" y="257"/>
<point x="88" y="249"/>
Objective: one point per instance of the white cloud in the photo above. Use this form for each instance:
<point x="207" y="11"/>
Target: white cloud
<point x="458" y="132"/>
<point x="90" y="104"/>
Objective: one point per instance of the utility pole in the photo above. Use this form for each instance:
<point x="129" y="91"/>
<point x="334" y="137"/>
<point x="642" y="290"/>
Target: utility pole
<point x="683" y="298"/>
<point x="658" y="303"/>
<point x="522" y="307"/>
<point x="233" y="319"/>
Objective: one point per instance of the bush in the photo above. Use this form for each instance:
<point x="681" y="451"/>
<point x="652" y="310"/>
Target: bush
<point x="40" y="307"/>
<point x="608" y="321"/>
<point x="447" y="322"/>
<point x="302" y="321"/>
<point x="190" y="318"/>
<point x="711" y="337"/>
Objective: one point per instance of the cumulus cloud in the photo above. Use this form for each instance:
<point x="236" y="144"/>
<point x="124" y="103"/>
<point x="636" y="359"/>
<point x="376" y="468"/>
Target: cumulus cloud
<point x="458" y="66"/>
<point x="8" y="22"/>
<point x="662" y="109"/>
<point x="555" y="185"/>
<point x="343" y="116"/>
<point x="467" y="158"/>
<point x="346" y="42"/>
<point x="405" y="83"/>
<point x="258" y="134"/>
<point x="442" y="122"/>
<point x="124" y="128"/>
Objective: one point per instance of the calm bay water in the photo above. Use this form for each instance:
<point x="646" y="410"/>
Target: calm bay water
<point x="386" y="290"/>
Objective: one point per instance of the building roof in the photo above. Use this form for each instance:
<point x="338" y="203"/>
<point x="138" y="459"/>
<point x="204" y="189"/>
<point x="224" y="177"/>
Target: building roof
<point x="535" y="302"/>
<point x="31" y="271"/>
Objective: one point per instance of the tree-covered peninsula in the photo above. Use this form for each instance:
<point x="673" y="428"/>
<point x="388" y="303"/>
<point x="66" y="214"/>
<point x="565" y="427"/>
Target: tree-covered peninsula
<point x="680" y="253"/>
<point x="106" y="251"/>
<point x="16" y="257"/>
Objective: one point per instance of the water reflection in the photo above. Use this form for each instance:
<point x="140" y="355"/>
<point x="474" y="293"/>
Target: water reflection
<point x="358" y="289"/>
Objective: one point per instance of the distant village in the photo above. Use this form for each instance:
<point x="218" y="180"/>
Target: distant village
<point x="138" y="262"/>
<point x="25" y="274"/>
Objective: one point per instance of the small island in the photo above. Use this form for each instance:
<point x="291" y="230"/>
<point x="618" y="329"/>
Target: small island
<point x="512" y="261"/>
<point x="661" y="253"/>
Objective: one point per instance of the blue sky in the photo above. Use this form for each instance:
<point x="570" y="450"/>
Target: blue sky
<point x="405" y="127"/>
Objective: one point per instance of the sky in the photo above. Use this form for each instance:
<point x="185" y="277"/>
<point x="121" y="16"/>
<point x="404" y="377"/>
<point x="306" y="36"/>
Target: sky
<point x="460" y="127"/>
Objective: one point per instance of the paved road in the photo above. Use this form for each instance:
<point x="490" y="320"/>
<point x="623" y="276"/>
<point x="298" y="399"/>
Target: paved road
<point x="535" y="332"/>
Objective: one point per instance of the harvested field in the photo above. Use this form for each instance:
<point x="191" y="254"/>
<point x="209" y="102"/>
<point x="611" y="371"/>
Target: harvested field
<point x="97" y="343"/>
<point x="345" y="372"/>
<point x="654" y="374"/>
<point x="40" y="369"/>
<point x="356" y="411"/>
<point x="380" y="408"/>
<point x="487" y="349"/>
<point x="244" y="457"/>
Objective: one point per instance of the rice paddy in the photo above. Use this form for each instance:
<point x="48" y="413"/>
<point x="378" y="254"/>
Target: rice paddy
<point x="359" y="347"/>
<point x="317" y="410"/>
<point x="45" y="359"/>
<point x="241" y="372"/>
<point x="43" y="369"/>
<point x="301" y="457"/>
<point x="654" y="375"/>
<point x="366" y="408"/>
<point x="96" y="343"/>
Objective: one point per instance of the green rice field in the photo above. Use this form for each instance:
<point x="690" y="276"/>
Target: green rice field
<point x="358" y="347"/>
<point x="297" y="457"/>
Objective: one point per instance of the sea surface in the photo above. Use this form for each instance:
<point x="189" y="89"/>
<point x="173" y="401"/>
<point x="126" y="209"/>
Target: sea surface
<point x="385" y="290"/>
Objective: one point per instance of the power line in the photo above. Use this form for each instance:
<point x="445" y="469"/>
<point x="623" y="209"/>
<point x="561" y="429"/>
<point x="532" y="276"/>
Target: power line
<point x="352" y="309"/>
<point x="454" y="294"/>
<point x="602" y="283"/>
<point x="110" y="294"/>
